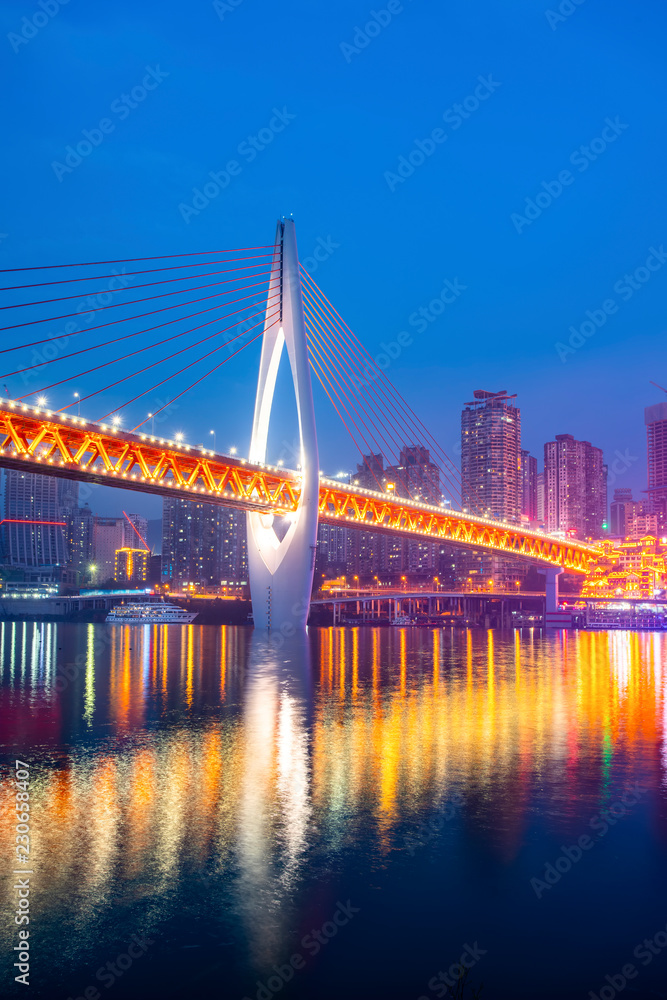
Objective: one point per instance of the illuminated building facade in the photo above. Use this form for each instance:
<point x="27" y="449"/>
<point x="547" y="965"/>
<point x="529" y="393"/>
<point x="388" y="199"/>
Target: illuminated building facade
<point x="631" y="568"/>
<point x="202" y="544"/>
<point x="36" y="510"/>
<point x="491" y="456"/>
<point x="80" y="529"/>
<point x="575" y="487"/>
<point x="655" y="418"/>
<point x="111" y="534"/>
<point x="528" y="485"/>
<point x="131" y="565"/>
<point x="108" y="537"/>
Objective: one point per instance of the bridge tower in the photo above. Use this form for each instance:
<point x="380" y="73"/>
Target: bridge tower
<point x="281" y="563"/>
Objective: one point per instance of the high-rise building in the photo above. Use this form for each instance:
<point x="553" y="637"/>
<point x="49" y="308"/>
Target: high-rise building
<point x="491" y="456"/>
<point x="131" y="565"/>
<point x="415" y="476"/>
<point x="36" y="513"/>
<point x="108" y="537"/>
<point x="332" y="550"/>
<point x="80" y="528"/>
<point x="575" y="489"/>
<point x="366" y="552"/>
<point x="528" y="485"/>
<point x="540" y="497"/>
<point x="111" y="534"/>
<point x="622" y="506"/>
<point x="370" y="474"/>
<point x="203" y="544"/>
<point x="655" y="418"/>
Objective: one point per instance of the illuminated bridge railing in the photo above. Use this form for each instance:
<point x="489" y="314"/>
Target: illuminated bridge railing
<point x="65" y="445"/>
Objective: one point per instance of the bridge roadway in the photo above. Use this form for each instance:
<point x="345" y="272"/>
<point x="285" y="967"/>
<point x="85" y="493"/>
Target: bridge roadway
<point x="36" y="439"/>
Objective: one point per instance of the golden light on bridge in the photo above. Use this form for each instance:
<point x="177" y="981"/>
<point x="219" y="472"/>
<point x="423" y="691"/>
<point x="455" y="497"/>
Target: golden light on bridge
<point x="69" y="446"/>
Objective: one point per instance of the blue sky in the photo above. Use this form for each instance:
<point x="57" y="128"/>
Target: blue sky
<point x="223" y="69"/>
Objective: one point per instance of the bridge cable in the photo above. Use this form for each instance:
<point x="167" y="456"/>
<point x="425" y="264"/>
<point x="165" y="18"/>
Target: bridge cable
<point x="131" y="260"/>
<point x="265" y="258"/>
<point x="162" y="360"/>
<point x="169" y="377"/>
<point x="342" y="351"/>
<point x="127" y="319"/>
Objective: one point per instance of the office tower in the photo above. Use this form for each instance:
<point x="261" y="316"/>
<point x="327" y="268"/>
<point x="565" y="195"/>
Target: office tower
<point x="528" y="485"/>
<point x="491" y="456"/>
<point x="36" y="510"/>
<point x="575" y="488"/>
<point x="202" y="544"/>
<point x="655" y="418"/>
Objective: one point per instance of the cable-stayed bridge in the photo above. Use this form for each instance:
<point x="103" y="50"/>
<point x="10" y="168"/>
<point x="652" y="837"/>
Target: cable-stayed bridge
<point x="259" y="292"/>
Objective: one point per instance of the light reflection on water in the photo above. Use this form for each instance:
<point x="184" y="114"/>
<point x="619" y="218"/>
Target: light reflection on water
<point x="179" y="768"/>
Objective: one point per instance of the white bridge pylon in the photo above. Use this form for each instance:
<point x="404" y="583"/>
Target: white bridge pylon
<point x="281" y="568"/>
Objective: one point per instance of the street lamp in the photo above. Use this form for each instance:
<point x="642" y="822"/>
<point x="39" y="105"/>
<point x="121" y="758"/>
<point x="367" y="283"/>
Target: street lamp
<point x="404" y="583"/>
<point x="78" y="403"/>
<point x="151" y="417"/>
<point x="213" y="433"/>
<point x="232" y="450"/>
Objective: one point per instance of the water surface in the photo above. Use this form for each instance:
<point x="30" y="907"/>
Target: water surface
<point x="342" y="815"/>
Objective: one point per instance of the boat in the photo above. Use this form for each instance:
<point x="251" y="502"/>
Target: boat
<point x="402" y="620"/>
<point x="150" y="614"/>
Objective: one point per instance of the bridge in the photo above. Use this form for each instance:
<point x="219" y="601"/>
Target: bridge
<point x="292" y="314"/>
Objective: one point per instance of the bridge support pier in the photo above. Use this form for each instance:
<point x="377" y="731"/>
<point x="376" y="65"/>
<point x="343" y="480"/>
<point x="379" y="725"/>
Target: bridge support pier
<point x="281" y="564"/>
<point x="553" y="618"/>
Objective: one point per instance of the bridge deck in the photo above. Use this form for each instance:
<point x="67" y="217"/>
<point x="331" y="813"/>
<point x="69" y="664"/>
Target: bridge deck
<point x="62" y="444"/>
